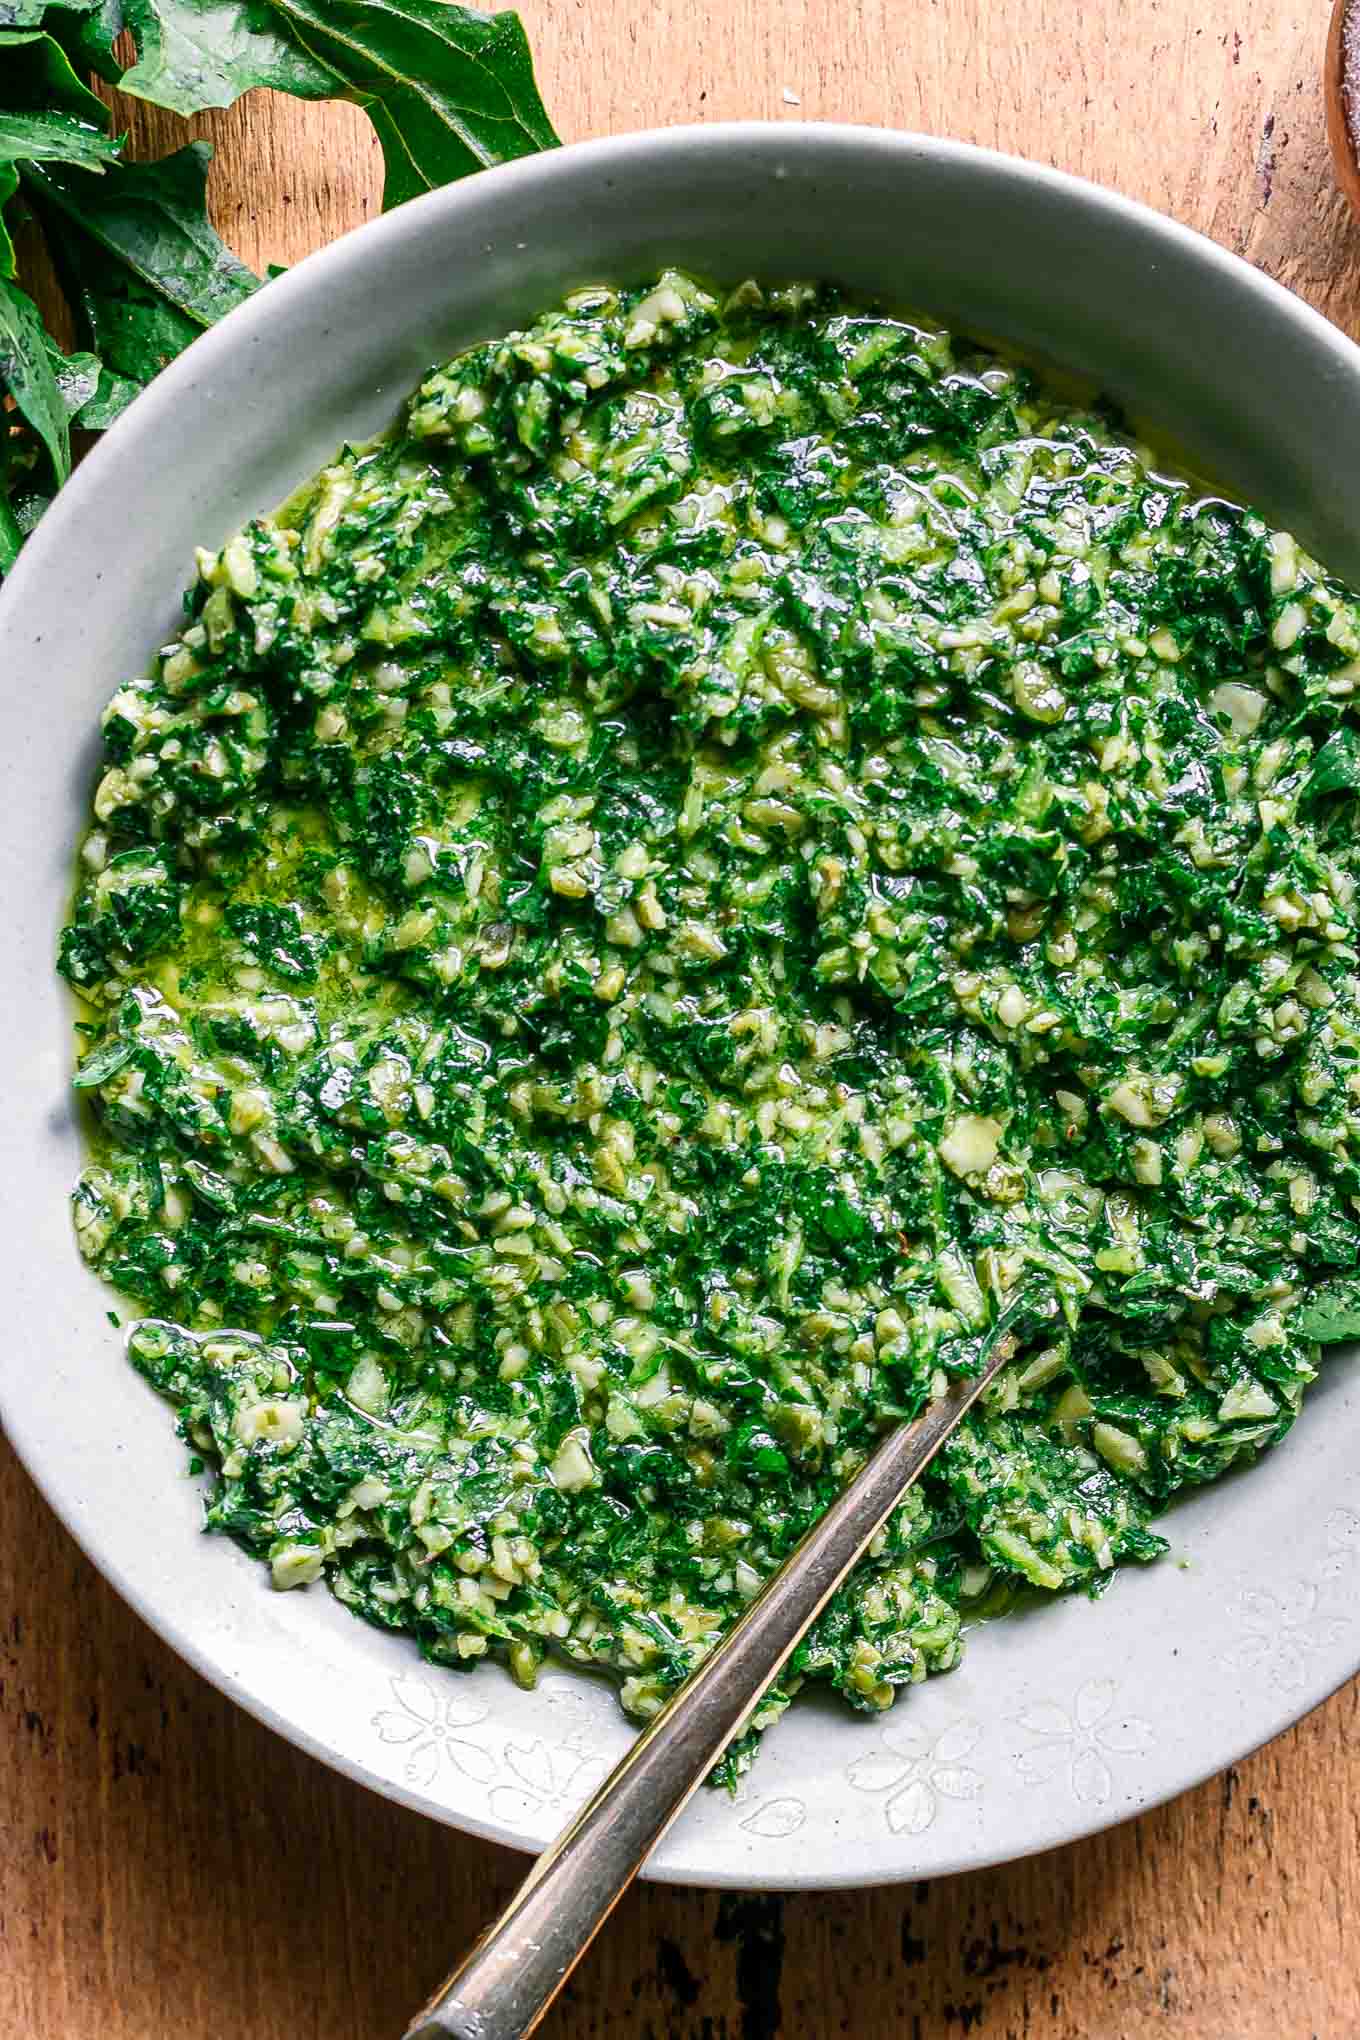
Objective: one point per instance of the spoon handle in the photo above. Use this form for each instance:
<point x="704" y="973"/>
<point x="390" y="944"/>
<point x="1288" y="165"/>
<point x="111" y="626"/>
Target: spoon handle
<point x="505" y="1985"/>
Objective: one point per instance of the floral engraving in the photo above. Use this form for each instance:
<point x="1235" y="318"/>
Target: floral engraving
<point x="1081" y="1741"/>
<point x="526" y="1780"/>
<point x="915" y="1774"/>
<point x="433" y="1724"/>
<point x="776" y="1819"/>
<point x="1282" y="1631"/>
<point x="543" y="1779"/>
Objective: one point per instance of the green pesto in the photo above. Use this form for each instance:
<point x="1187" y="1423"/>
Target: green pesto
<point x="748" y="851"/>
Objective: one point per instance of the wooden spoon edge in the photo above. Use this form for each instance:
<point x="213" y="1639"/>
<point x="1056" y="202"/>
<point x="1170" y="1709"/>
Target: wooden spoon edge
<point x="1340" y="73"/>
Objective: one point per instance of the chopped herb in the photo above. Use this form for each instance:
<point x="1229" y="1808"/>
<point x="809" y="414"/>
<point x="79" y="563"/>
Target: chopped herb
<point x="748" y="850"/>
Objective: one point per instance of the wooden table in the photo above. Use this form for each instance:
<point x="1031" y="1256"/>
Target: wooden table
<point x="167" y="1867"/>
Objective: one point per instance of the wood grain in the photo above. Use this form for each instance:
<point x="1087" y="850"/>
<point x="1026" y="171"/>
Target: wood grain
<point x="169" y="1867"/>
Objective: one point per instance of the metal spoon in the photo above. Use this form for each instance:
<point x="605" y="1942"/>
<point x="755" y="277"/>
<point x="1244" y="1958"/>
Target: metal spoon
<point x="504" y="1986"/>
<point x="1341" y="91"/>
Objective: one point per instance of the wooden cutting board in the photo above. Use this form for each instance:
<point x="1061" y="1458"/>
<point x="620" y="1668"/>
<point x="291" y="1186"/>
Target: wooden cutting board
<point x="169" y="1868"/>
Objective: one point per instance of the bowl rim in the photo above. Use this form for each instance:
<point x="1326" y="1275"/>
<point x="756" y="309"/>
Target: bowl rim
<point x="253" y="319"/>
<point x="410" y="220"/>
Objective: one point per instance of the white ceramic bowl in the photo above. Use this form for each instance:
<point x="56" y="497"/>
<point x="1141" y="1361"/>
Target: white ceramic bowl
<point x="1059" y="1721"/>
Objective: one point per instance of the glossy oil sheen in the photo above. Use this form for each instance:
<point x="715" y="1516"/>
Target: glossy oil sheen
<point x="1056" y="1725"/>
